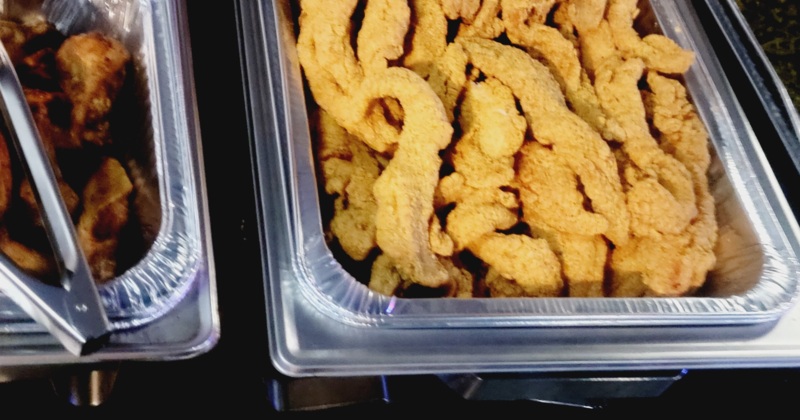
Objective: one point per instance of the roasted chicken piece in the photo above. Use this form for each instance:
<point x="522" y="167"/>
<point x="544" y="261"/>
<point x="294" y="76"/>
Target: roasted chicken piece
<point x="105" y="213"/>
<point x="92" y="69"/>
<point x="41" y="104"/>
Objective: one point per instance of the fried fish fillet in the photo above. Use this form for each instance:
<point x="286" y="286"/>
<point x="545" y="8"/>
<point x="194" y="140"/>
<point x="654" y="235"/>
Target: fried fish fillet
<point x="486" y="22"/>
<point x="658" y="52"/>
<point x="661" y="197"/>
<point x="334" y="74"/>
<point x="484" y="163"/>
<point x="552" y="206"/>
<point x="404" y="191"/>
<point x="382" y="33"/>
<point x="448" y="77"/>
<point x="520" y="266"/>
<point x="349" y="170"/>
<point x="525" y="27"/>
<point x="429" y="40"/>
<point x="672" y="265"/>
<point x="553" y="124"/>
<point x="574" y="17"/>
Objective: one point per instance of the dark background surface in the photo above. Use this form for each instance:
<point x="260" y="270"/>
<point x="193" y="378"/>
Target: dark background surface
<point x="235" y="375"/>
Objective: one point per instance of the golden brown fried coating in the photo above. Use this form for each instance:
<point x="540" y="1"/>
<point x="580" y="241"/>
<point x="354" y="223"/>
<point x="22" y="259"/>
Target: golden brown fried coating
<point x="574" y="17"/>
<point x="404" y="191"/>
<point x="661" y="197"/>
<point x="105" y="213"/>
<point x="483" y="162"/>
<point x="334" y="74"/>
<point x="29" y="260"/>
<point x="658" y="52"/>
<point x="555" y="125"/>
<point x="349" y="170"/>
<point x="461" y="9"/>
<point x="549" y="190"/>
<point x="92" y="70"/>
<point x="594" y="179"/>
<point x="324" y="50"/>
<point x="489" y="110"/>
<point x="384" y="277"/>
<point x="520" y="266"/>
<point x="673" y="265"/>
<point x="552" y="206"/>
<point x="683" y="134"/>
<point x="382" y="33"/>
<point x="525" y="27"/>
<point x="430" y="36"/>
<point x="448" y="77"/>
<point x="14" y="37"/>
<point x="486" y="22"/>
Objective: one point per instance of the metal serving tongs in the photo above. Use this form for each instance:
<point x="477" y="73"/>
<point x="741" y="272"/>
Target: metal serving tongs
<point x="73" y="312"/>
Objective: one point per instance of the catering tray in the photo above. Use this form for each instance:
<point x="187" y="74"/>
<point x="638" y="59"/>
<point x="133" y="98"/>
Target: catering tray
<point x="323" y="322"/>
<point x="175" y="274"/>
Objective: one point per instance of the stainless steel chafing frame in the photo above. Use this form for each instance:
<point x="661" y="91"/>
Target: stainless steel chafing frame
<point x="188" y="325"/>
<point x="307" y="337"/>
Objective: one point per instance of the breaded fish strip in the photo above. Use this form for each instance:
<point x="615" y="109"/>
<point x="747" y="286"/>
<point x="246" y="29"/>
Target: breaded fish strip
<point x="549" y="193"/>
<point x="520" y="266"/>
<point x="658" y="52"/>
<point x="386" y="280"/>
<point x="661" y="197"/>
<point x="483" y="160"/>
<point x="683" y="133"/>
<point x="349" y="171"/>
<point x="449" y="77"/>
<point x="553" y="208"/>
<point x="333" y="72"/>
<point x="527" y="12"/>
<point x="486" y="23"/>
<point x="578" y="16"/>
<point x="325" y="31"/>
<point x="430" y="36"/>
<point x="673" y="265"/>
<point x="525" y="27"/>
<point x="554" y="124"/>
<point x="461" y="9"/>
<point x="382" y="33"/>
<point x="404" y="191"/>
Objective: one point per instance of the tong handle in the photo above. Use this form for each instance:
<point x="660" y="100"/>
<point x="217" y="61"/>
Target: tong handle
<point x="73" y="312"/>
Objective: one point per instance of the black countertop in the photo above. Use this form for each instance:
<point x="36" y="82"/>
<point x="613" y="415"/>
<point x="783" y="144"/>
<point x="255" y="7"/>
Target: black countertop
<point x="235" y="375"/>
<point x="776" y="24"/>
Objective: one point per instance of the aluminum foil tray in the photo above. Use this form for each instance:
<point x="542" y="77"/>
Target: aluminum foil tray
<point x="159" y="152"/>
<point x="323" y="321"/>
